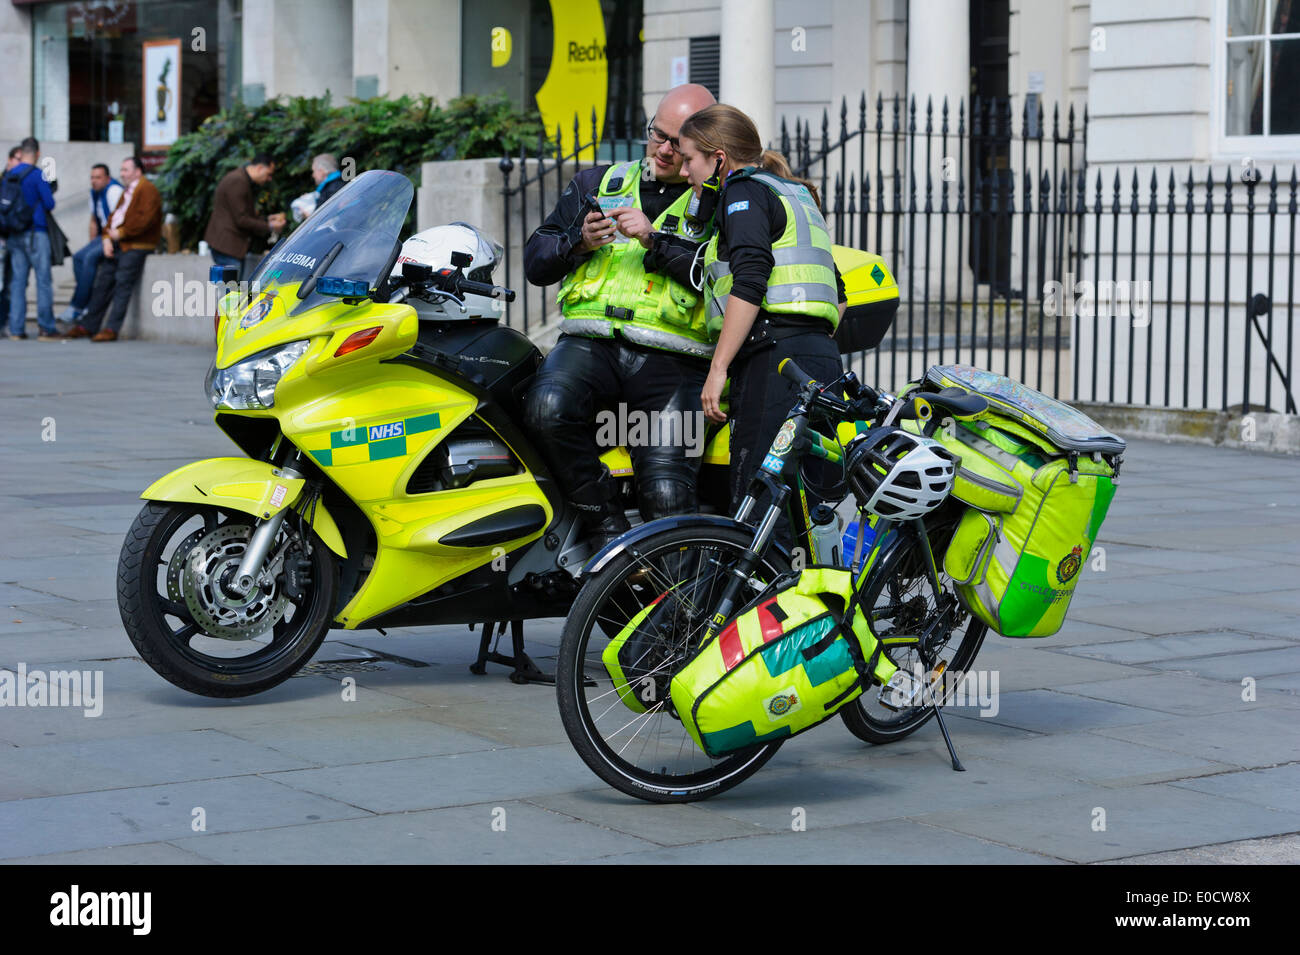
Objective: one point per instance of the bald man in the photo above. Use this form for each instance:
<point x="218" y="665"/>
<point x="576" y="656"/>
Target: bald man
<point x="633" y="338"/>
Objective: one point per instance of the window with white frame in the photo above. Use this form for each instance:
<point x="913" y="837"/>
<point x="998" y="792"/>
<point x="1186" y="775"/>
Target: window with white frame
<point x="1262" y="68"/>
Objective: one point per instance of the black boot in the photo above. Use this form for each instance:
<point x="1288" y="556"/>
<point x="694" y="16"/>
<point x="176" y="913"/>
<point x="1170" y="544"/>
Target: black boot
<point x="602" y="514"/>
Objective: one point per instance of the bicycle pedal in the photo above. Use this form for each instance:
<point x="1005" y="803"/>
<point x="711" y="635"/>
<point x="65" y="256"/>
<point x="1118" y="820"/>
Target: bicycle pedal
<point x="900" y="691"/>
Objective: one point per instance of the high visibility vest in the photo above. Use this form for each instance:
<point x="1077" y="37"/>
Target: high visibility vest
<point x="802" y="281"/>
<point x="612" y="293"/>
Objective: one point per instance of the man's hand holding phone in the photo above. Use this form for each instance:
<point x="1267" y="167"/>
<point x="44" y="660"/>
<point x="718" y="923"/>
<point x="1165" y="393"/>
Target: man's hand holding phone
<point x="597" y="227"/>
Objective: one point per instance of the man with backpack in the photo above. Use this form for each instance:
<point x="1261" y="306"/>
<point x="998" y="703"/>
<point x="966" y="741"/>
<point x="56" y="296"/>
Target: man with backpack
<point x="25" y="198"/>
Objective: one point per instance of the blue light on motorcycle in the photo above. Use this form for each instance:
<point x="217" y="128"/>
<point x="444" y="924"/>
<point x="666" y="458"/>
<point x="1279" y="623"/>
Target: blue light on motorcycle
<point x="342" y="288"/>
<point x="221" y="274"/>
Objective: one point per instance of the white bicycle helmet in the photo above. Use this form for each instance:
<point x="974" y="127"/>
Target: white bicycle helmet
<point x="899" y="475"/>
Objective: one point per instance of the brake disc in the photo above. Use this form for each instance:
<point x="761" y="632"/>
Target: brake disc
<point x="201" y="575"/>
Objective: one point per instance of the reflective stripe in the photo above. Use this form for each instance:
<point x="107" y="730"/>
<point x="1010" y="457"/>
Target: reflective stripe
<point x="799" y="292"/>
<point x="809" y="256"/>
<point x="986" y="447"/>
<point x="588" y="327"/>
<point x="658" y="338"/>
<point x="1006" y="555"/>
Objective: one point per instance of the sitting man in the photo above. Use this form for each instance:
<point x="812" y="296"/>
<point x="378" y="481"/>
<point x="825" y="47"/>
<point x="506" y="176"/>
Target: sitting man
<point x="633" y="331"/>
<point x="104" y="193"/>
<point x="132" y="233"/>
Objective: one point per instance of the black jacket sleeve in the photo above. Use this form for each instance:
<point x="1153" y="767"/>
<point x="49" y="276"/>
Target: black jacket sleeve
<point x="752" y="218"/>
<point x="673" y="255"/>
<point x="554" y="249"/>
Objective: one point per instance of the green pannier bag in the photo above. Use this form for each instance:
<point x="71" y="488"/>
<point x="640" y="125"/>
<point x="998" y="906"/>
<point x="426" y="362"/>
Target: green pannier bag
<point x="1039" y="476"/>
<point x="785" y="663"/>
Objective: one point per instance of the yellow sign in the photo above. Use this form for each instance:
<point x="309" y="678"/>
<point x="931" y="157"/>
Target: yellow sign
<point x="579" y="78"/>
<point x="501" y="47"/>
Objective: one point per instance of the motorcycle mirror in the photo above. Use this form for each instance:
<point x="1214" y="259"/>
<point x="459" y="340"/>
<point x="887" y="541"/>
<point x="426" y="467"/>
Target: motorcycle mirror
<point x="461" y="259"/>
<point x="417" y="272"/>
<point x="221" y="274"/>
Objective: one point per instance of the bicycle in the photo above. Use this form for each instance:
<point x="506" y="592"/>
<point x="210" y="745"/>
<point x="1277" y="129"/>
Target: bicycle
<point x="685" y="576"/>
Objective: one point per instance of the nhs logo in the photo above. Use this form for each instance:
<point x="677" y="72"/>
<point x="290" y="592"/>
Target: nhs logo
<point x="394" y="429"/>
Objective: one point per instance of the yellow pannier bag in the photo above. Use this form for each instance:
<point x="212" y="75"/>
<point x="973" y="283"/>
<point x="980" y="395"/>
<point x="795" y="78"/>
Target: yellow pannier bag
<point x="782" y="665"/>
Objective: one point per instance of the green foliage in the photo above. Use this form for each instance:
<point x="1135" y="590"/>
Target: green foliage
<point x="396" y="134"/>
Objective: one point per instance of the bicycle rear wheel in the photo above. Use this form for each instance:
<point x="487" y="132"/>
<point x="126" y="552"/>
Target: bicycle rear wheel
<point x="903" y="601"/>
<point x="626" y="730"/>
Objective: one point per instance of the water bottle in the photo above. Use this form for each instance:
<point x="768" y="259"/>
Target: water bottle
<point x="826" y="536"/>
<point x="850" y="543"/>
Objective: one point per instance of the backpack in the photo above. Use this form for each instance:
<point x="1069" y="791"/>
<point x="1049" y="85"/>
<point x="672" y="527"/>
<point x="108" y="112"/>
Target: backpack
<point x="1039" y="477"/>
<point x="787" y="662"/>
<point x="15" y="214"/>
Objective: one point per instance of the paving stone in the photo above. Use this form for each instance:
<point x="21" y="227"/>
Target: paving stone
<point x="864" y="787"/>
<point x="1167" y="617"/>
<point x="364" y="738"/>
<point x="1179" y="646"/>
<point x="664" y="824"/>
<point x="1235" y="667"/>
<point x="1051" y="711"/>
<point x="91" y="766"/>
<point x="156" y="813"/>
<point x="137" y="701"/>
<point x="895" y="842"/>
<point x="463" y="835"/>
<point x="1177" y="693"/>
<point x="64" y="645"/>
<point x="1251" y="738"/>
<point x="1275" y="850"/>
<point x="1021" y="665"/>
<point x="1092" y="758"/>
<point x="148" y="853"/>
<point x="405" y="785"/>
<point x="1138" y="820"/>
<point x="1277" y="788"/>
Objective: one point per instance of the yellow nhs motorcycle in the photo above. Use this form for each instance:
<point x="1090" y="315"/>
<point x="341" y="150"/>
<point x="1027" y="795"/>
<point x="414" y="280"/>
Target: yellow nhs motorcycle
<point x="384" y="480"/>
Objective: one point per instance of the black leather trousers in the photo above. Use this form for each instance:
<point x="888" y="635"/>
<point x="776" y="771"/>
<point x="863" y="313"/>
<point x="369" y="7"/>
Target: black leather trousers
<point x="595" y="393"/>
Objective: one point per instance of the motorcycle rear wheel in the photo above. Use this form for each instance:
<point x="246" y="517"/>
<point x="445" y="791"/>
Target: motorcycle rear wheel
<point x="201" y="637"/>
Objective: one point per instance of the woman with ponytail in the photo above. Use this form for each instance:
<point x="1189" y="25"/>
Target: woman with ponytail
<point x="772" y="288"/>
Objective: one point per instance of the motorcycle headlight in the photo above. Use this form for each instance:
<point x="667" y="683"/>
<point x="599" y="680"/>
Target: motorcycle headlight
<point x="250" y="384"/>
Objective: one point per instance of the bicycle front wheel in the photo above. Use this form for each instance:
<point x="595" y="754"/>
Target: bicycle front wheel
<point x="903" y="602"/>
<point x="625" y="728"/>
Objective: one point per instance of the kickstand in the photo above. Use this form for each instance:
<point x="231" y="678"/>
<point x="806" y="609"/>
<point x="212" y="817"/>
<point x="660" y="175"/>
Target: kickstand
<point x="525" y="670"/>
<point x="956" y="763"/>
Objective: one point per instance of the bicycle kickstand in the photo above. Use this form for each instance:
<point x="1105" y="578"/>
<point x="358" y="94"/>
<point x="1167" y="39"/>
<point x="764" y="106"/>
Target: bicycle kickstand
<point x="938" y="715"/>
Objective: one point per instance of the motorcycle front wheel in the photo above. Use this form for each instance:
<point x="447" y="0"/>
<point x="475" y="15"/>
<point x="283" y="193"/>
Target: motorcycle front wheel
<point x="178" y="607"/>
<point x="643" y="749"/>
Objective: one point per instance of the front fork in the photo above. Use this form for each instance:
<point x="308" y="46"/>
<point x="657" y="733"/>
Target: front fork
<point x="744" y="567"/>
<point x="259" y="547"/>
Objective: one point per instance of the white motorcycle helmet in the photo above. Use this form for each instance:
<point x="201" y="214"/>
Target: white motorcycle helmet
<point x="433" y="247"/>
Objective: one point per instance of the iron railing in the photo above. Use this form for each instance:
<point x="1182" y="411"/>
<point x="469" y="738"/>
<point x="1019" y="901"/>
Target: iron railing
<point x="1011" y="254"/>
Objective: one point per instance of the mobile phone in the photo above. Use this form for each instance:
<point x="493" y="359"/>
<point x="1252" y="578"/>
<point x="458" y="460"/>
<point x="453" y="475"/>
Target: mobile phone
<point x="591" y="204"/>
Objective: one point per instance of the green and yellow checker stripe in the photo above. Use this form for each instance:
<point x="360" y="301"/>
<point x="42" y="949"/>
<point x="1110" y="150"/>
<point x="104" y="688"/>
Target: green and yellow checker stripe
<point x="354" y="445"/>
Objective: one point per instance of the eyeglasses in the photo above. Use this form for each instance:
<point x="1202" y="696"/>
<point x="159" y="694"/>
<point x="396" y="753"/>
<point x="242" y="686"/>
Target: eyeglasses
<point x="656" y="136"/>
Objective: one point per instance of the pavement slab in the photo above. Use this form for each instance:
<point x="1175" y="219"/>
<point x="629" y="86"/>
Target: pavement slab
<point x="1136" y="707"/>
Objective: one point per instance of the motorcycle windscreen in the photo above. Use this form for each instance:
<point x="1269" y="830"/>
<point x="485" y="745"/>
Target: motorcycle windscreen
<point x="354" y="237"/>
